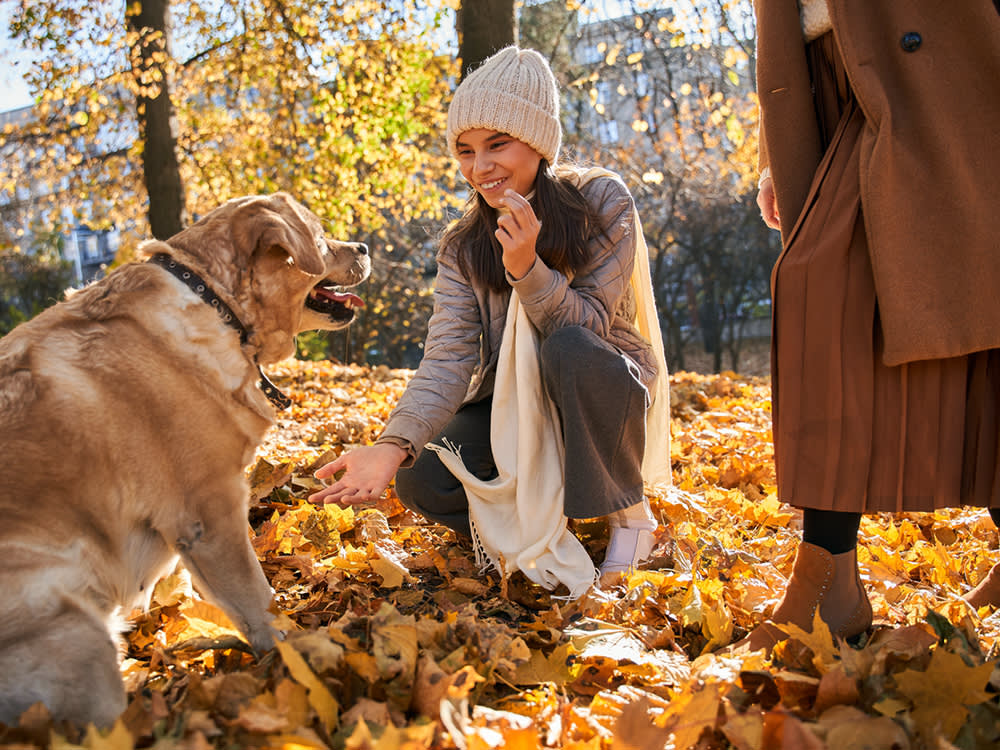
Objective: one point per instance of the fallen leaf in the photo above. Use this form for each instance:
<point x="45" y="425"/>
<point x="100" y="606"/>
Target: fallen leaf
<point x="847" y="728"/>
<point x="745" y="730"/>
<point x="836" y="688"/>
<point x="320" y="698"/>
<point x="782" y="731"/>
<point x="941" y="693"/>
<point x="818" y="640"/>
<point x="635" y="729"/>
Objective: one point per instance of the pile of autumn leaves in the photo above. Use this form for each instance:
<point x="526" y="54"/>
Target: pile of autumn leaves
<point x="396" y="639"/>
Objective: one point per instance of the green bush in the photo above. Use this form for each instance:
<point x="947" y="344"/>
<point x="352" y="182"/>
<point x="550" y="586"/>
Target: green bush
<point x="29" y="283"/>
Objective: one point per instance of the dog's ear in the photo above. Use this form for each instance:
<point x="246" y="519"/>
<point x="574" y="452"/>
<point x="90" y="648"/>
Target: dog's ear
<point x="277" y="221"/>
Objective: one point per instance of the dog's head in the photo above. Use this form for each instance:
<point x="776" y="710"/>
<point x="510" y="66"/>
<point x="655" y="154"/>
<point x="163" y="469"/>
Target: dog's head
<point x="284" y="274"/>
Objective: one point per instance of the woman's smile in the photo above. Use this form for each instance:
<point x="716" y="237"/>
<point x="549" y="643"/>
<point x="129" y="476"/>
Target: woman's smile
<point x="491" y="186"/>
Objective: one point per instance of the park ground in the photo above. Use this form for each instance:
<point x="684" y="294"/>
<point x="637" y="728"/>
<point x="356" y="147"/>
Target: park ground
<point x="396" y="639"/>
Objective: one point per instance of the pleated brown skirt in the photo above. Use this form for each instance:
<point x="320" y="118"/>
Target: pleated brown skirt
<point x="851" y="434"/>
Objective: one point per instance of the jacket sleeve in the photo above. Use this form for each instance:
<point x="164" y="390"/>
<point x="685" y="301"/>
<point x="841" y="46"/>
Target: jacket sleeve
<point x="590" y="300"/>
<point x="451" y="353"/>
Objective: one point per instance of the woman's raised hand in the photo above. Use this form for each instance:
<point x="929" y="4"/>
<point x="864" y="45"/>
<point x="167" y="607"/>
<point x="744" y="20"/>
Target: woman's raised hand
<point x="517" y="230"/>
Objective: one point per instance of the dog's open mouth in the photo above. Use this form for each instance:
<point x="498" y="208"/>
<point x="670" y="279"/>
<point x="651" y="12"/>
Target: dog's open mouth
<point x="329" y="299"/>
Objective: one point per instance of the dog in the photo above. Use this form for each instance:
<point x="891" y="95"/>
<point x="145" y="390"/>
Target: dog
<point x="128" y="415"/>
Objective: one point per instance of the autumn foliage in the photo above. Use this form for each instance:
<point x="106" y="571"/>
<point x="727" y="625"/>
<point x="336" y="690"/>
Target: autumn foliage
<point x="396" y="639"/>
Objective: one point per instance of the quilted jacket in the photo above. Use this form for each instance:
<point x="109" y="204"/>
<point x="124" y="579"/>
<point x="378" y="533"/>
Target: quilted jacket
<point x="466" y="327"/>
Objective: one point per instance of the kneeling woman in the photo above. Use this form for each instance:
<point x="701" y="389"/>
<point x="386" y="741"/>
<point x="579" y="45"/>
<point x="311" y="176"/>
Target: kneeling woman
<point x="538" y="392"/>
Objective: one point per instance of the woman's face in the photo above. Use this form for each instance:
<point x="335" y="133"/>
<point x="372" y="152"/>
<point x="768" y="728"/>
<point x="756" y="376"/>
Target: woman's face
<point x="494" y="162"/>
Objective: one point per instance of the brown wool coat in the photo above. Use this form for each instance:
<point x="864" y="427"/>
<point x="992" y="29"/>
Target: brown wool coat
<point x="927" y="76"/>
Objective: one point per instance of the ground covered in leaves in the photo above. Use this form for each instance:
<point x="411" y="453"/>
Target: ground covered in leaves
<point x="396" y="639"/>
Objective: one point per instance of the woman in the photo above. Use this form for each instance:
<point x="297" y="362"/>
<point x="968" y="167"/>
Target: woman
<point x="880" y="160"/>
<point x="543" y="243"/>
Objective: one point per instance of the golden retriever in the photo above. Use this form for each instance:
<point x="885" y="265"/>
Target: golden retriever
<point x="128" y="415"/>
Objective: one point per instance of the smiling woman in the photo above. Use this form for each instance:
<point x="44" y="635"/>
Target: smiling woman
<point x="543" y="363"/>
<point x="503" y="170"/>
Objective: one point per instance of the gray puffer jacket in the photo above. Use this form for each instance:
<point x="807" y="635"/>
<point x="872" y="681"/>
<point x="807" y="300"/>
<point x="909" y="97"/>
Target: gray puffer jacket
<point x="467" y="325"/>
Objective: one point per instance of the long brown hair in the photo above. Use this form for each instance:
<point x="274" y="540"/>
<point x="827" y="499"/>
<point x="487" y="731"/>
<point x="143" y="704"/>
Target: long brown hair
<point x="568" y="223"/>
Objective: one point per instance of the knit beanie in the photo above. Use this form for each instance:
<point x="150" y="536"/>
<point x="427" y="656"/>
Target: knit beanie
<point x="513" y="92"/>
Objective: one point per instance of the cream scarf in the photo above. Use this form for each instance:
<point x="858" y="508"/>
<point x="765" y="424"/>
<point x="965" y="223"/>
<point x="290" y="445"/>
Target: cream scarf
<point x="517" y="518"/>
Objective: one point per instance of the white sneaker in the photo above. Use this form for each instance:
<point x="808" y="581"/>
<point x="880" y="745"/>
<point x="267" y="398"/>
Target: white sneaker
<point x="626" y="549"/>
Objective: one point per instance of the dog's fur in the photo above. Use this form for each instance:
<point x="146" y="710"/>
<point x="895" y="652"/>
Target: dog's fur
<point x="128" y="414"/>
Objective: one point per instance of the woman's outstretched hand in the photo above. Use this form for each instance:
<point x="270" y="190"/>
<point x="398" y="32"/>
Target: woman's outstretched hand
<point x="367" y="472"/>
<point x="517" y="230"/>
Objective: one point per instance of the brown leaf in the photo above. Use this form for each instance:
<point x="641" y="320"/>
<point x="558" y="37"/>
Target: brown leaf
<point x="798" y="691"/>
<point x="225" y="693"/>
<point x="635" y="729"/>
<point x="375" y="713"/>
<point x="761" y="687"/>
<point x="430" y="687"/>
<point x="782" y="731"/>
<point x="261" y="715"/>
<point x="265" y="476"/>
<point x="847" y="728"/>
<point x="470" y="586"/>
<point x="836" y="688"/>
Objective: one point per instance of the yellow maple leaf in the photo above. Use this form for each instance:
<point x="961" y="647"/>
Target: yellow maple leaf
<point x="941" y="693"/>
<point x="717" y="622"/>
<point x="819" y="640"/>
<point x="691" y="713"/>
<point x="557" y="667"/>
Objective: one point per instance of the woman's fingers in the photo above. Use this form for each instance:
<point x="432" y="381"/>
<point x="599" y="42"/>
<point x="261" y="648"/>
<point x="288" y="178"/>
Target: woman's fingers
<point x="367" y="472"/>
<point x="767" y="204"/>
<point x="329" y="469"/>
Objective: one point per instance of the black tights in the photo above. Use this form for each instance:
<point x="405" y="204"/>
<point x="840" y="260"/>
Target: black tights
<point x="837" y="531"/>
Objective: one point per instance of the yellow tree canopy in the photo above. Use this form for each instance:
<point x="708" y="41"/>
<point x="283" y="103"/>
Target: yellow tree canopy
<point x="340" y="103"/>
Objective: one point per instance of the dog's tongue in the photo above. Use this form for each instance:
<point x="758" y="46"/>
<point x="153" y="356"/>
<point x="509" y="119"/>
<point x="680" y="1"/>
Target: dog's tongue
<point x="344" y="298"/>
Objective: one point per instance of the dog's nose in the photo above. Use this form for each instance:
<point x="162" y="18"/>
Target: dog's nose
<point x="362" y="248"/>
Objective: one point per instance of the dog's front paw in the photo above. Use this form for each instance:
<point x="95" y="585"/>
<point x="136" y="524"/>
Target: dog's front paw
<point x="262" y="637"/>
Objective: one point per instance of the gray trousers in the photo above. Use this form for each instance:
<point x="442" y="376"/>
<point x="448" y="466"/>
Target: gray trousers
<point x="602" y="406"/>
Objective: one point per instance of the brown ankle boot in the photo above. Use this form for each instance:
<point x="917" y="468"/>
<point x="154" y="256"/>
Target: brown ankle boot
<point x="988" y="590"/>
<point x="815" y="573"/>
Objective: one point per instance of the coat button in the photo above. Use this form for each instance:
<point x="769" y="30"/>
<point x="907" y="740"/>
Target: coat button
<point x="910" y="41"/>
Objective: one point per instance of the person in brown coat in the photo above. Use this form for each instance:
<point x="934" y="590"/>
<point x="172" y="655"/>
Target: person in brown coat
<point x="880" y="164"/>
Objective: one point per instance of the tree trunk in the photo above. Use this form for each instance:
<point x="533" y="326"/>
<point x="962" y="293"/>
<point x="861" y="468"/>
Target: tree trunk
<point x="150" y="20"/>
<point x="484" y="26"/>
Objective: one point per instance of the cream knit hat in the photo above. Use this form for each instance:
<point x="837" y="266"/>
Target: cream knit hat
<point x="514" y="92"/>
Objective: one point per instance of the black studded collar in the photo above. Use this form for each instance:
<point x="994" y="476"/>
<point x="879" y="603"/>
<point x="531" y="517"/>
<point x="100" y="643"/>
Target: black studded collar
<point x="198" y="285"/>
